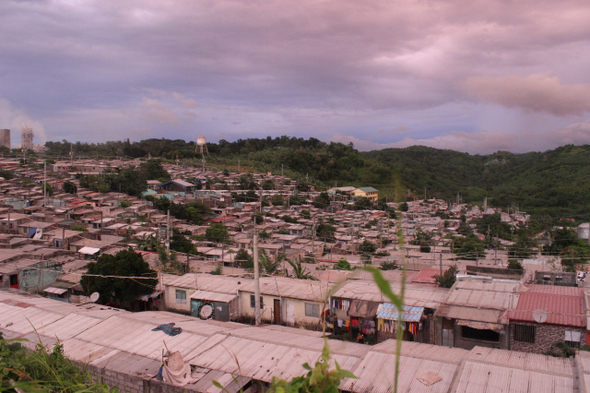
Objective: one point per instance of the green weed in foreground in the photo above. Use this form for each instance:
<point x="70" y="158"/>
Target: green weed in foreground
<point x="42" y="371"/>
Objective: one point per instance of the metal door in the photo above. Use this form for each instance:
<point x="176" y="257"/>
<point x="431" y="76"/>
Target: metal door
<point x="290" y="314"/>
<point x="277" y="312"/>
<point x="448" y="338"/>
<point x="221" y="311"/>
<point x="195" y="304"/>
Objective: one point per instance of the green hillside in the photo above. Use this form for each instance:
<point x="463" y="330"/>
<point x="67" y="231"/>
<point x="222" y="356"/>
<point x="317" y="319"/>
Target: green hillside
<point x="555" y="183"/>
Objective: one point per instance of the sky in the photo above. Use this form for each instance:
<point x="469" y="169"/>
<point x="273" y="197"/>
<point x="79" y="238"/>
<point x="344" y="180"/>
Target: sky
<point x="476" y="76"/>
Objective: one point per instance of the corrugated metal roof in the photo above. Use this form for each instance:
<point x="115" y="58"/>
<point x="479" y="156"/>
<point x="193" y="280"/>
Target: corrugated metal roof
<point x="426" y="276"/>
<point x="126" y="341"/>
<point x="375" y="374"/>
<point x="522" y="360"/>
<point x="416" y="295"/>
<point x="565" y="310"/>
<point x="469" y="313"/>
<point x="213" y="296"/>
<point x="409" y="314"/>
<point x="554" y="290"/>
<point x="206" y="282"/>
<point x="424" y="351"/>
<point x="315" y="291"/>
<point x="55" y="291"/>
<point x="485" y="378"/>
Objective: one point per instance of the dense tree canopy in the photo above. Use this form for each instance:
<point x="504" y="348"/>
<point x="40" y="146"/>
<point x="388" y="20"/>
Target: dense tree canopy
<point x="102" y="277"/>
<point x="553" y="183"/>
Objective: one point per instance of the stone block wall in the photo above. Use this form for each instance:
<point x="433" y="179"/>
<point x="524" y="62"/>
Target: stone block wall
<point x="545" y="337"/>
<point x="133" y="383"/>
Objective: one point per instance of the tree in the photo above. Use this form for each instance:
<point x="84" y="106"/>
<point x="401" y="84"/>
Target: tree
<point x="363" y="203"/>
<point x="268" y="266"/>
<point x="448" y="278"/>
<point x="107" y="277"/>
<point x="268" y="185"/>
<point x="243" y="259"/>
<point x="277" y="200"/>
<point x="342" y="264"/>
<point x="180" y="243"/>
<point x="300" y="271"/>
<point x="322" y="201"/>
<point x="326" y="231"/>
<point x="217" y="233"/>
<point x="367" y="247"/>
<point x="514" y="264"/>
<point x="388" y="265"/>
<point x="263" y="234"/>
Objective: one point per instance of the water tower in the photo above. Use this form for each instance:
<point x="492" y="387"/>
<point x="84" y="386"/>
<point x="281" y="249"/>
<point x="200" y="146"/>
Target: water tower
<point x="5" y="138"/>
<point x="202" y="144"/>
<point x="26" y="137"/>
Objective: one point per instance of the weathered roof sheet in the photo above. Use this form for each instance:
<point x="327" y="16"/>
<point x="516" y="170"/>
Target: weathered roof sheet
<point x="469" y="313"/>
<point x="416" y="295"/>
<point x="562" y="309"/>
<point x="496" y="370"/>
<point x="213" y="296"/>
<point x="493" y="294"/>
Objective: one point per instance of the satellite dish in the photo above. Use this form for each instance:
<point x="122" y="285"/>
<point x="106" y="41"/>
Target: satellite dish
<point x="94" y="297"/>
<point x="206" y="311"/>
<point x="539" y="315"/>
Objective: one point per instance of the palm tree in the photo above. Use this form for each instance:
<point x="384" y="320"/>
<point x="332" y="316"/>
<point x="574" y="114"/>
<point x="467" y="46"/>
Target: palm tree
<point x="300" y="271"/>
<point x="267" y="266"/>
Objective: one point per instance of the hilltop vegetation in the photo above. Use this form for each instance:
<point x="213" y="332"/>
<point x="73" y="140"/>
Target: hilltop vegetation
<point x="554" y="183"/>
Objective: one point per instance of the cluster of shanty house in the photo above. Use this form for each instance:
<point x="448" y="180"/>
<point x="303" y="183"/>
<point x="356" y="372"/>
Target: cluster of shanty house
<point x="459" y="334"/>
<point x="125" y="349"/>
<point x="476" y="311"/>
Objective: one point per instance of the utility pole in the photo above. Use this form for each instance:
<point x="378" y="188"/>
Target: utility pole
<point x="256" y="282"/>
<point x="168" y="232"/>
<point x="45" y="183"/>
<point x="239" y="165"/>
<point x="441" y="273"/>
<point x="282" y="173"/>
<point x="313" y="236"/>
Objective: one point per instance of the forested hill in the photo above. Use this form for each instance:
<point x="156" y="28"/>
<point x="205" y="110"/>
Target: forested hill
<point x="555" y="182"/>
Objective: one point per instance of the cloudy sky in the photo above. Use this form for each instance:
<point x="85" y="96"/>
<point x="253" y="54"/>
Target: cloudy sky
<point x="474" y="76"/>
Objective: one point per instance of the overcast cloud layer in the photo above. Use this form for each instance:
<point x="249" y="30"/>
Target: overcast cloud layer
<point x="474" y="76"/>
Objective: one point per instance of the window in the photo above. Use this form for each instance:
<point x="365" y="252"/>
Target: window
<point x="573" y="338"/>
<point x="180" y="296"/>
<point x="253" y="301"/>
<point x="312" y="310"/>
<point x="524" y="333"/>
<point x="478" y="334"/>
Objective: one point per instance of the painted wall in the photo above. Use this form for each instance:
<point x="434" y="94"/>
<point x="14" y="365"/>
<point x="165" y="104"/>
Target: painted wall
<point x="39" y="276"/>
<point x="267" y="312"/>
<point x="173" y="305"/>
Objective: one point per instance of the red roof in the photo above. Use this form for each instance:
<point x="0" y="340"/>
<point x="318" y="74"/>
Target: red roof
<point x="564" y="305"/>
<point x="425" y="276"/>
<point x="556" y="290"/>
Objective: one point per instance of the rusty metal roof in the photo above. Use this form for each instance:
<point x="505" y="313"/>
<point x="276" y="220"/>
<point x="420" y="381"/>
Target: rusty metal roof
<point x="563" y="307"/>
<point x="555" y="290"/>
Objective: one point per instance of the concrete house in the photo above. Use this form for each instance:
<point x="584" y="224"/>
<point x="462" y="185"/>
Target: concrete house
<point x="473" y="313"/>
<point x="367" y="192"/>
<point x="188" y="294"/>
<point x="286" y="301"/>
<point x="545" y="315"/>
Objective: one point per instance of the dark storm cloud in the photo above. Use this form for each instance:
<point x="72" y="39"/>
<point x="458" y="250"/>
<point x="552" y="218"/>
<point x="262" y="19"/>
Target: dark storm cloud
<point x="92" y="70"/>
